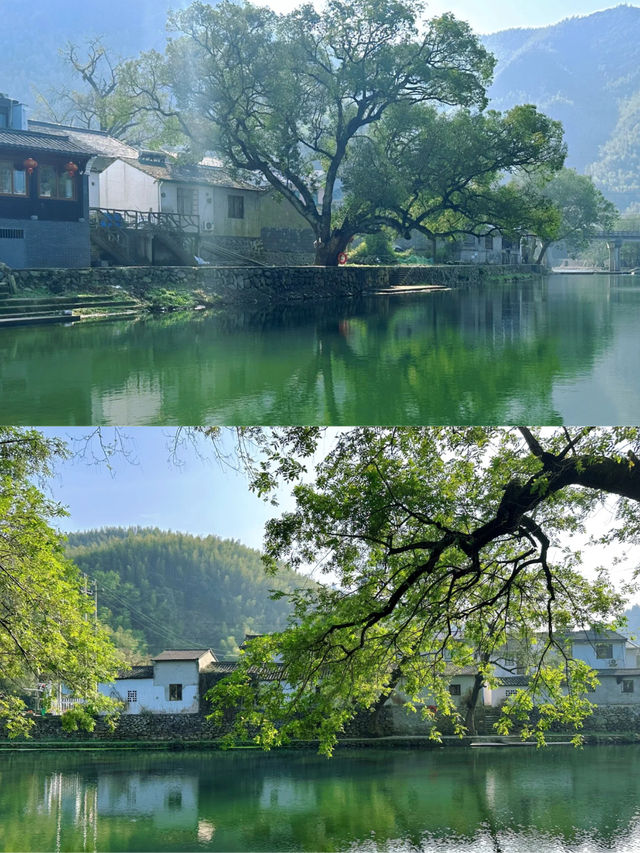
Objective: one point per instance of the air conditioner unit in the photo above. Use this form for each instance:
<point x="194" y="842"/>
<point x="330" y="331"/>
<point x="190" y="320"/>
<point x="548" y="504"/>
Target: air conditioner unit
<point x="208" y="226"/>
<point x="613" y="663"/>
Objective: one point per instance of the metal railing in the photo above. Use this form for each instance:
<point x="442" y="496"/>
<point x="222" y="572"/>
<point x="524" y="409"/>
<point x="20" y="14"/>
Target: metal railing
<point x="110" y="219"/>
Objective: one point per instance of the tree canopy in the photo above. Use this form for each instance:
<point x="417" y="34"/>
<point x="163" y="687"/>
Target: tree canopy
<point x="286" y="96"/>
<point x="436" y="544"/>
<point x="126" y="98"/>
<point x="47" y="625"/>
<point x="443" y="173"/>
<point x="578" y="209"/>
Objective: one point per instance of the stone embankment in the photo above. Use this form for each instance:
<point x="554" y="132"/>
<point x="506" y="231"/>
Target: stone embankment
<point x="258" y="285"/>
<point x="613" y="724"/>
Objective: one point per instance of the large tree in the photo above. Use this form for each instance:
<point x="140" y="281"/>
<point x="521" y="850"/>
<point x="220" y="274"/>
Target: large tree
<point x="443" y="173"/>
<point x="47" y="625"/>
<point x="125" y="98"/>
<point x="285" y="96"/>
<point x="581" y="210"/>
<point x="435" y="543"/>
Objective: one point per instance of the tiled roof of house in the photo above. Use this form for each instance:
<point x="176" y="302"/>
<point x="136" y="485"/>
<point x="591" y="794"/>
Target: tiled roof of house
<point x="268" y="672"/>
<point x="42" y="142"/>
<point x="513" y="681"/>
<point x="209" y="175"/>
<point x="137" y="672"/>
<point x="182" y="654"/>
<point x="591" y="636"/>
<point x="97" y="141"/>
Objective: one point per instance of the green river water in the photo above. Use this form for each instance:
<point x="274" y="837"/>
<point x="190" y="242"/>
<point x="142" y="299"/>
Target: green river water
<point x="563" y="349"/>
<point x="459" y="800"/>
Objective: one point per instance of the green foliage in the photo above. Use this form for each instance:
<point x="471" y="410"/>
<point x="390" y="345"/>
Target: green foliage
<point x="158" y="589"/>
<point x="286" y="96"/>
<point x="162" y="299"/>
<point x="78" y="718"/>
<point x="127" y="99"/>
<point x="440" y="546"/>
<point x="580" y="210"/>
<point x="374" y="249"/>
<point x="47" y="628"/>
<point x="443" y="173"/>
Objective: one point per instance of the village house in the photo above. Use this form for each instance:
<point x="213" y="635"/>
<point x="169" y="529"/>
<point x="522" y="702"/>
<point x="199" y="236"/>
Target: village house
<point x="44" y="203"/>
<point x="148" y="207"/>
<point x="615" y="658"/>
<point x="171" y="685"/>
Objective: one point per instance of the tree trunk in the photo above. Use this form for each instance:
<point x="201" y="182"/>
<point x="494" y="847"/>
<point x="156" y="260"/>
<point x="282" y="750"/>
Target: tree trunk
<point x="472" y="701"/>
<point x="542" y="253"/>
<point x="327" y="251"/>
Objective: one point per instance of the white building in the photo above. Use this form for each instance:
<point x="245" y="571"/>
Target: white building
<point x="170" y="686"/>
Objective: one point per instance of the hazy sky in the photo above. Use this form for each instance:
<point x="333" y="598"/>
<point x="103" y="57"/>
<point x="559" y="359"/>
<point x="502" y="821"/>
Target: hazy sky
<point x="489" y="16"/>
<point x="148" y="488"/>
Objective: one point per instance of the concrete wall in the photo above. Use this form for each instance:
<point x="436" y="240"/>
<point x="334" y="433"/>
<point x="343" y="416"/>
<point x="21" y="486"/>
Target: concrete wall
<point x="153" y="696"/>
<point x="610" y="690"/>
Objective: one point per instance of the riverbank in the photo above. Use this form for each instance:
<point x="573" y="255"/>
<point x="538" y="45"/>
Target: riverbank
<point x="400" y="742"/>
<point x="210" y="286"/>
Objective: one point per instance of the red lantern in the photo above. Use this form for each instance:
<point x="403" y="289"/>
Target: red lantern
<point x="30" y="164"/>
<point x="70" y="168"/>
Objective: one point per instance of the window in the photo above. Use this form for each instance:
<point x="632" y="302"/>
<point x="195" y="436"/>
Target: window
<point x="488" y="242"/>
<point x="132" y="695"/>
<point x="510" y="692"/>
<point x="13" y="181"/>
<point x="604" y="651"/>
<point x="187" y="201"/>
<point x="175" y="692"/>
<point x="454" y="689"/>
<point x="236" y="206"/>
<point x="627" y="685"/>
<point x="55" y="183"/>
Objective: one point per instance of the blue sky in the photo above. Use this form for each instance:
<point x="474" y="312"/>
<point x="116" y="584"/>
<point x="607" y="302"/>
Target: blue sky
<point x="489" y="16"/>
<point x="146" y="487"/>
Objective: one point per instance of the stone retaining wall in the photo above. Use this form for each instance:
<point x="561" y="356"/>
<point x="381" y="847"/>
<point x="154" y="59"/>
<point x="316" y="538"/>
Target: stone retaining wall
<point x="256" y="285"/>
<point x="389" y="721"/>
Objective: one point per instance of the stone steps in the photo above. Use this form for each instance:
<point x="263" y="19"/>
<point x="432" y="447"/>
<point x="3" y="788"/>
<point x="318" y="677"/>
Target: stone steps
<point x="25" y="311"/>
<point x="48" y="306"/>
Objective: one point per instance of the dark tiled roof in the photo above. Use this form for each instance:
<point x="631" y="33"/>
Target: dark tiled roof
<point x="97" y="141"/>
<point x="211" y="175"/>
<point x="47" y="142"/>
<point x="181" y="654"/>
<point x="594" y="636"/>
<point x="514" y="681"/>
<point x="272" y="672"/>
<point x="137" y="672"/>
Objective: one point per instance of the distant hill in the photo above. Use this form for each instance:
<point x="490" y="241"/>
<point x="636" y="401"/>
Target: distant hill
<point x="176" y="590"/>
<point x="32" y="34"/>
<point x="584" y="71"/>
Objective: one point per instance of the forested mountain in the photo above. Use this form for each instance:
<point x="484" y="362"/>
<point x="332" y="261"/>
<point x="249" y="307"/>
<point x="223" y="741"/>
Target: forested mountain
<point x="585" y="72"/>
<point x="173" y="590"/>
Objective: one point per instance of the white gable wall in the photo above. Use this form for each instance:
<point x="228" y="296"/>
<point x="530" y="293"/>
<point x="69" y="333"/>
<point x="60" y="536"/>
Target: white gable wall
<point x="123" y="187"/>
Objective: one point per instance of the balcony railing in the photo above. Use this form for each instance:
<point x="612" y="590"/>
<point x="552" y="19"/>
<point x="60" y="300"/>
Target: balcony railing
<point x="110" y="220"/>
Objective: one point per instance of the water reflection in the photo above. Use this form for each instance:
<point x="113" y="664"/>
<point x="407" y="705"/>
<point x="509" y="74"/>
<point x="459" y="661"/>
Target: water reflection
<point x="454" y="800"/>
<point x="542" y="351"/>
